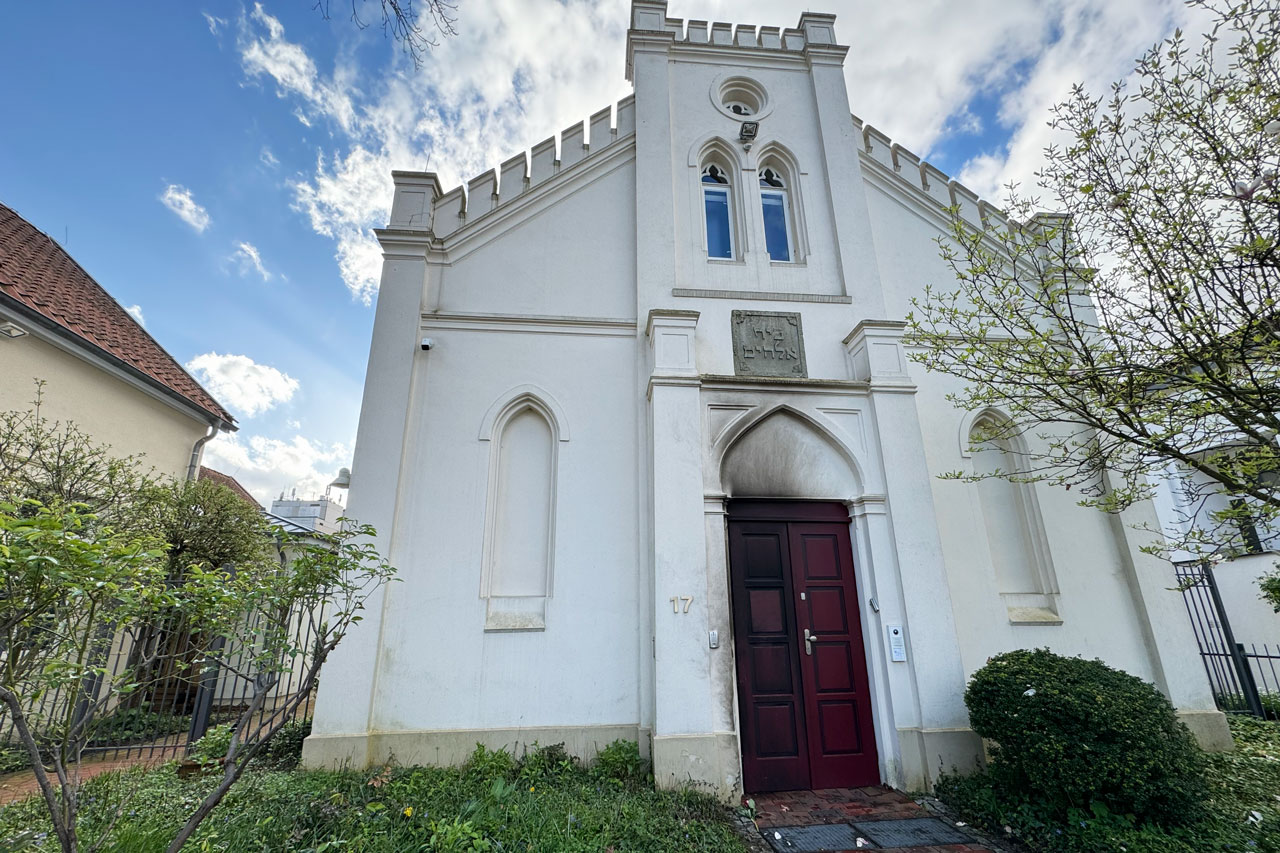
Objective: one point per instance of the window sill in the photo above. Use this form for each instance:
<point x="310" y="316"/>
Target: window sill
<point x="727" y="261"/>
<point x="510" y="615"/>
<point x="761" y="295"/>
<point x="1031" y="608"/>
<point x="1033" y="616"/>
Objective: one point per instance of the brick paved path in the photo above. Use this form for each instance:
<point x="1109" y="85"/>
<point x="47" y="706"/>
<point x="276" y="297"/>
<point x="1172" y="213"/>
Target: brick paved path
<point x="20" y="785"/>
<point x="847" y="805"/>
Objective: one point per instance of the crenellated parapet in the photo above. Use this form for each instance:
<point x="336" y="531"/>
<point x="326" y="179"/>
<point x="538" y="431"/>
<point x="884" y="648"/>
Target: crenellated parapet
<point x="814" y="32"/>
<point x="927" y="178"/>
<point x="578" y="143"/>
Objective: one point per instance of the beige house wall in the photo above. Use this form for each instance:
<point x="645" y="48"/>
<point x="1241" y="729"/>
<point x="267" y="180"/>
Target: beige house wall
<point x="106" y="406"/>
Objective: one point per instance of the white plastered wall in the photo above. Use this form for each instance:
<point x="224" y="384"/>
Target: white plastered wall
<point x="516" y="303"/>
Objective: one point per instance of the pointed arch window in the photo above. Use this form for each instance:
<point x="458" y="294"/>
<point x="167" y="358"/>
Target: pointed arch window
<point x="717" y="203"/>
<point x="777" y="215"/>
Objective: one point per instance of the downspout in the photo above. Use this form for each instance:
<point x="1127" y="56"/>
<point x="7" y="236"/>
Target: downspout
<point x="193" y="469"/>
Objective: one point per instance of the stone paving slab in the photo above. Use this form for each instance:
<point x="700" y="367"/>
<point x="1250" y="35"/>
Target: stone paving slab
<point x="845" y="807"/>
<point x="912" y="832"/>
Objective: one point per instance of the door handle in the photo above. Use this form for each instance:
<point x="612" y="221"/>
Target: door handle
<point x="809" y="639"/>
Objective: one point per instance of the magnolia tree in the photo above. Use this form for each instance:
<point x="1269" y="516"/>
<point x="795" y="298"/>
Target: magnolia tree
<point x="325" y="582"/>
<point x="1137" y="330"/>
<point x="403" y="21"/>
<point x="116" y="586"/>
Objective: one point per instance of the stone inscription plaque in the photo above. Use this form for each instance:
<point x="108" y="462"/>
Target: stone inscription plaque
<point x="768" y="343"/>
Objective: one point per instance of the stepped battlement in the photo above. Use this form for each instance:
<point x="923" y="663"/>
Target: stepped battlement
<point x="649" y="21"/>
<point x="927" y="178"/>
<point x="445" y="213"/>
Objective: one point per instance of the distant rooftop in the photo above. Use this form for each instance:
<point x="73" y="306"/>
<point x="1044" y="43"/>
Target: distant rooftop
<point x="230" y="482"/>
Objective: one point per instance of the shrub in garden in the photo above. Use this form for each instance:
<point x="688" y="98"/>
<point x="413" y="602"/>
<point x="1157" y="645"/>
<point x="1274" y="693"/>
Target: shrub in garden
<point x="621" y="761"/>
<point x="543" y="762"/>
<point x="212" y="746"/>
<point x="488" y="763"/>
<point x="1072" y="734"/>
<point x="284" y="751"/>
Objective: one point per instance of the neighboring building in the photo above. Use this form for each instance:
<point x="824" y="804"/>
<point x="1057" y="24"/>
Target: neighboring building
<point x="641" y="435"/>
<point x="320" y="515"/>
<point x="231" y="483"/>
<point x="101" y="369"/>
<point x="1254" y="621"/>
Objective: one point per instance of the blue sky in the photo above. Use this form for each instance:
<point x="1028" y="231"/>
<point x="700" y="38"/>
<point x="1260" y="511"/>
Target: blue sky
<point x="219" y="166"/>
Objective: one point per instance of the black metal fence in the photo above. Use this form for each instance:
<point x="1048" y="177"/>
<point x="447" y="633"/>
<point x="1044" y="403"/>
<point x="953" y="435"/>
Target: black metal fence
<point x="185" y="686"/>
<point x="1245" y="679"/>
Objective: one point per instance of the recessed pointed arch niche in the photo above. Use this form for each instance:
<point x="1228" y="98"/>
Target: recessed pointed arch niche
<point x="1017" y="544"/>
<point x="784" y="453"/>
<point x="524" y="430"/>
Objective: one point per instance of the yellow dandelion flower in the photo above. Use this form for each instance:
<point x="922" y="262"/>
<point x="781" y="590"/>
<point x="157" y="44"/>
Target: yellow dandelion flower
<point x="408" y="811"/>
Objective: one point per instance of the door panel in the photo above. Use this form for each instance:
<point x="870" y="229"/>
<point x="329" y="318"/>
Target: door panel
<point x="805" y="714"/>
<point x="775" y="756"/>
<point x="837" y="699"/>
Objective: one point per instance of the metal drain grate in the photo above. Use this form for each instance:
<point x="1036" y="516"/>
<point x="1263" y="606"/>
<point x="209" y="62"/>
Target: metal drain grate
<point x="914" y="832"/>
<point x="814" y="839"/>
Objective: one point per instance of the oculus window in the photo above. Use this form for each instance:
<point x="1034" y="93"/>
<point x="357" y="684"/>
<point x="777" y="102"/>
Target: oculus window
<point x="777" y="215"/>
<point x="718" y="210"/>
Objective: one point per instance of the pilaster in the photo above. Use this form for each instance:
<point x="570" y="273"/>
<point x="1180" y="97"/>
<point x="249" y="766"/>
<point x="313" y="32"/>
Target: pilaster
<point x="346" y="699"/>
<point x="876" y="355"/>
<point x="1162" y="617"/>
<point x="685" y="744"/>
<point x="840" y="142"/>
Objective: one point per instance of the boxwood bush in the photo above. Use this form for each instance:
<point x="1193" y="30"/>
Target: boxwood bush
<point x="1072" y="734"/>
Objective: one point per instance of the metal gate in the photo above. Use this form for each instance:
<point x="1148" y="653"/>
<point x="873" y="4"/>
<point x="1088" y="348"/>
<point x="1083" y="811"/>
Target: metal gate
<point x="1245" y="679"/>
<point x="181" y="697"/>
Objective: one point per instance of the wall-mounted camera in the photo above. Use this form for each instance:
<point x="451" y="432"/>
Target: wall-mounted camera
<point x="427" y="343"/>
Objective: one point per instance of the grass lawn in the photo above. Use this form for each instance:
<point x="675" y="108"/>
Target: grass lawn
<point x="1244" y="804"/>
<point x="543" y="803"/>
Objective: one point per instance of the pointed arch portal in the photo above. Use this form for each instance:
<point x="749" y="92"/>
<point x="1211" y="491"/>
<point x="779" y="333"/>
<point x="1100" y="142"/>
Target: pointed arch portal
<point x="784" y="453"/>
<point x="804" y="695"/>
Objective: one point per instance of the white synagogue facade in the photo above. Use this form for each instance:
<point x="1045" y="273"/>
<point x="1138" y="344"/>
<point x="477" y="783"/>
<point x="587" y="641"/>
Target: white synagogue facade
<point x="640" y="433"/>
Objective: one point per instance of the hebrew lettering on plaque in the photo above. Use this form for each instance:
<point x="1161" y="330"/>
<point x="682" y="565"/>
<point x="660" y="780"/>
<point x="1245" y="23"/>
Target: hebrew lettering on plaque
<point x="768" y="343"/>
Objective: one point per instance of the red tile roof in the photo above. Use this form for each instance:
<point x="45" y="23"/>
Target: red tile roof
<point x="40" y="276"/>
<point x="230" y="482"/>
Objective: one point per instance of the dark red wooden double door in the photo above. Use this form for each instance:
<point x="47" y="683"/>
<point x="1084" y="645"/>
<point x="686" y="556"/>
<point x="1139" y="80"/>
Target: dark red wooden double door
<point x="803" y="698"/>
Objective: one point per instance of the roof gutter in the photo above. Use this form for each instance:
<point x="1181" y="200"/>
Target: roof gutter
<point x="85" y="347"/>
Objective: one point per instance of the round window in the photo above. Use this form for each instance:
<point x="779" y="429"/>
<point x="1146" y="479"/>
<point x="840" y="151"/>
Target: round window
<point x="740" y="98"/>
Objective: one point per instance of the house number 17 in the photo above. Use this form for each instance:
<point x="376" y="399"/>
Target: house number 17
<point x="675" y="603"/>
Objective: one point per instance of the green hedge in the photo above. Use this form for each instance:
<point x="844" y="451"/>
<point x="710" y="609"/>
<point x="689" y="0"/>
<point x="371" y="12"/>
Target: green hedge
<point x="1073" y="734"/>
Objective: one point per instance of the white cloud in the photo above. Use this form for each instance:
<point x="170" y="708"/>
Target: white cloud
<point x="268" y="466"/>
<point x="268" y="158"/>
<point x="249" y="259"/>
<point x="292" y="69"/>
<point x="135" y="311"/>
<point x="241" y="383"/>
<point x="521" y="69"/>
<point x="215" y="23"/>
<point x="1095" y="43"/>
<point x="178" y="199"/>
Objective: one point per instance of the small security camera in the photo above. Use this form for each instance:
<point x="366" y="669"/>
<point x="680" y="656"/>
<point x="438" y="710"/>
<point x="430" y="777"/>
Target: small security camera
<point x="427" y="343"/>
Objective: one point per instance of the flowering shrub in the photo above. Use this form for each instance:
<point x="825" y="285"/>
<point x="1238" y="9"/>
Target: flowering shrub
<point x="1074" y="734"/>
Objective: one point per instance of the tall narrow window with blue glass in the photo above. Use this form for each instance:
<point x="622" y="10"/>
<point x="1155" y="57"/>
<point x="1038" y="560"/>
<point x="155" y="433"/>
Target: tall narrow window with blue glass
<point x="777" y="225"/>
<point x="719" y="212"/>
